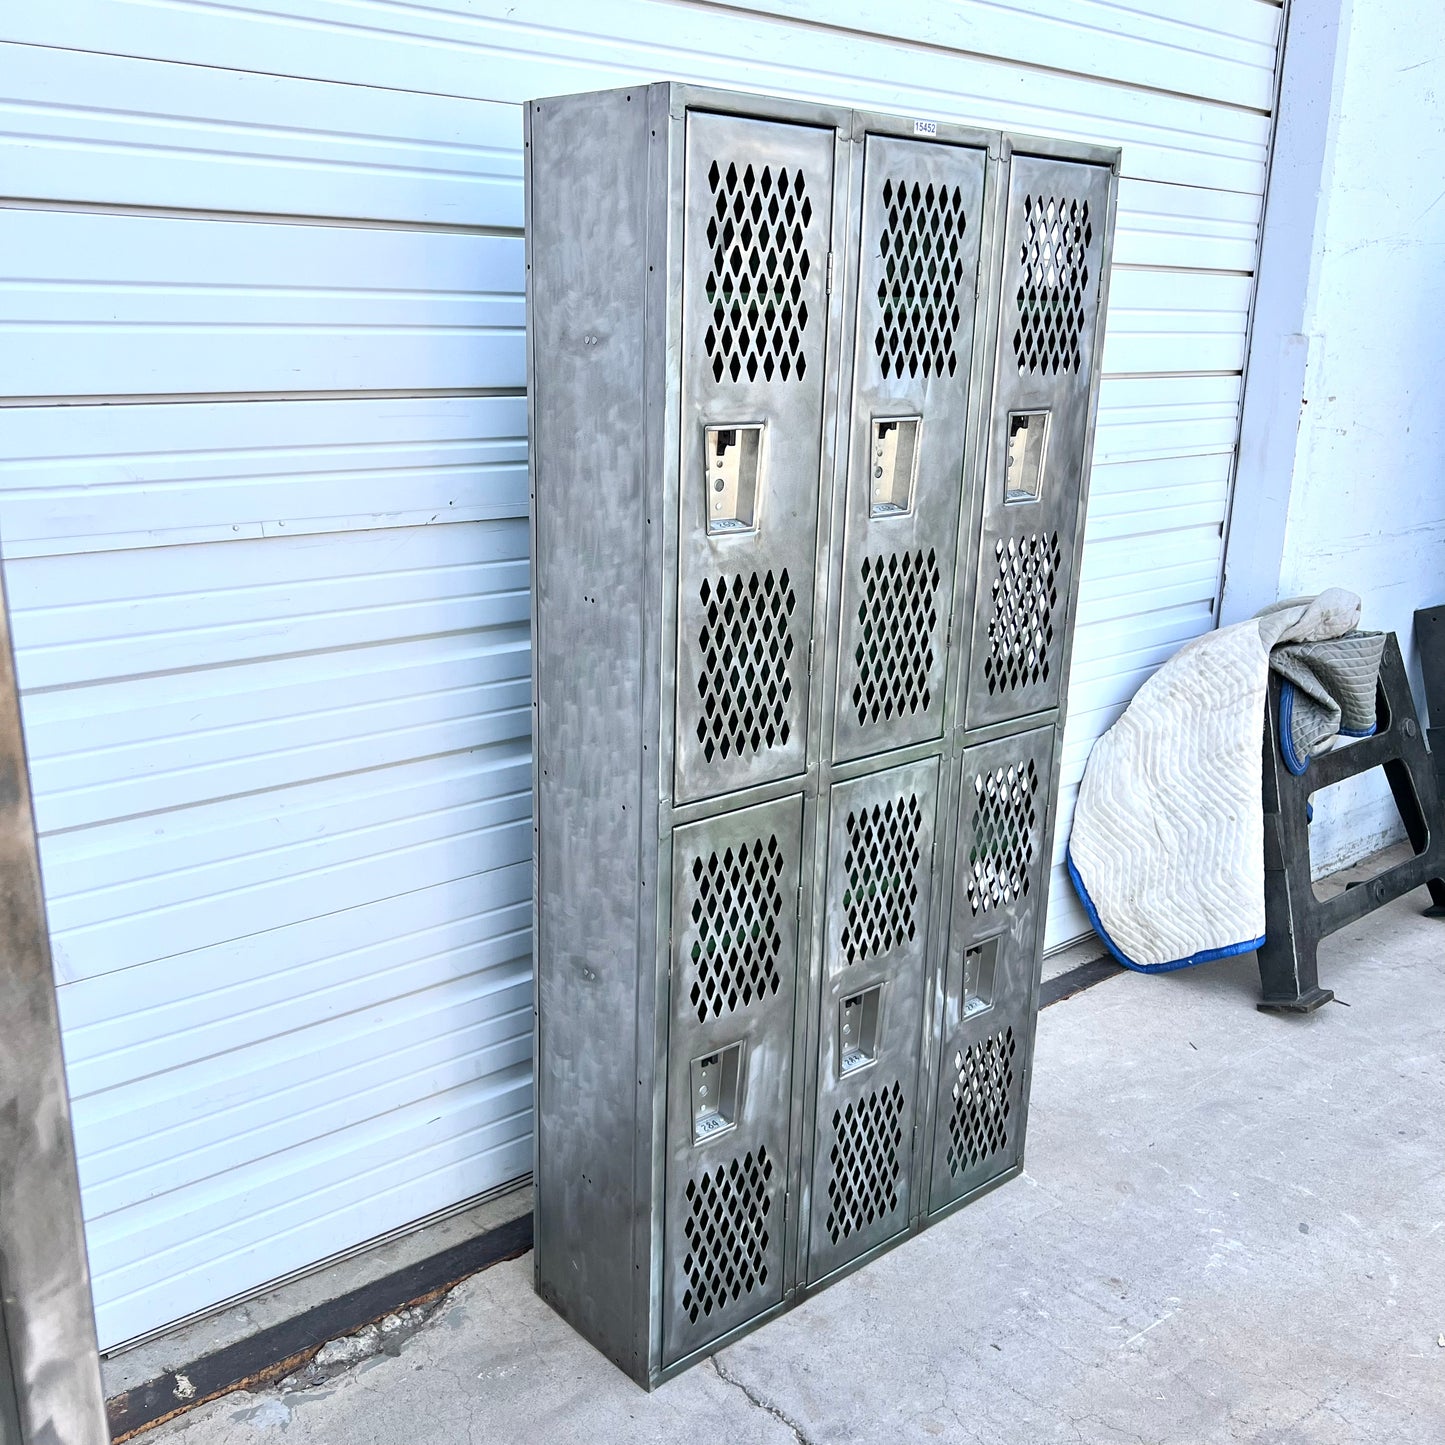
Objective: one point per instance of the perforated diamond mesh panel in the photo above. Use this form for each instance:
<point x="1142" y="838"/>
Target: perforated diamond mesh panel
<point x="923" y="271"/>
<point x="759" y="321"/>
<point x="727" y="1233"/>
<point x="737" y="943"/>
<point x="982" y="1090"/>
<point x="1025" y="592"/>
<point x="1005" y="835"/>
<point x="746" y="640"/>
<point x="880" y="897"/>
<point x="897" y="630"/>
<point x="1053" y="253"/>
<point x="867" y="1140"/>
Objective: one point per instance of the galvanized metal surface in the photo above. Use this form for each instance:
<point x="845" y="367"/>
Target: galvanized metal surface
<point x="46" y="1319"/>
<point x="1054" y="251"/>
<point x="736" y="881"/>
<point x="757" y="246"/>
<point x="876" y="948"/>
<point x="594" y="775"/>
<point x="767" y="1113"/>
<point x="918" y="265"/>
<point x="9" y="1405"/>
<point x="987" y="990"/>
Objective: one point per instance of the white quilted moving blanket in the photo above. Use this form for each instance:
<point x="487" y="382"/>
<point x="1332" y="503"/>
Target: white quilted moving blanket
<point x="1167" y="848"/>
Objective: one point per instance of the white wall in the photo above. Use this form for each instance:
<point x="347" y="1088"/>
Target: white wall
<point x="1367" y="505"/>
<point x="263" y="509"/>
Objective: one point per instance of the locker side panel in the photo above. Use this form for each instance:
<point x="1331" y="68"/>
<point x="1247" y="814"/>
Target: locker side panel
<point x="759" y="199"/>
<point x="876" y="913"/>
<point x="989" y="994"/>
<point x="913" y="353"/>
<point x="1048" y="331"/>
<point x="595" y="865"/>
<point x="735" y="897"/>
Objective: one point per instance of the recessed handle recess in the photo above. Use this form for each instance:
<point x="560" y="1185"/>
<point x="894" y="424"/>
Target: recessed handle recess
<point x="858" y="1029"/>
<point x="972" y="980"/>
<point x="893" y="465"/>
<point x="715" y="1078"/>
<point x="733" y="455"/>
<point x="1028" y="436"/>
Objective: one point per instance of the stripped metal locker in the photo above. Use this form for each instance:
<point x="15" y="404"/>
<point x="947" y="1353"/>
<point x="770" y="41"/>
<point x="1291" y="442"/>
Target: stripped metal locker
<point x="1049" y="348"/>
<point x="921" y="224"/>
<point x="988" y="986"/>
<point x="761" y="363"/>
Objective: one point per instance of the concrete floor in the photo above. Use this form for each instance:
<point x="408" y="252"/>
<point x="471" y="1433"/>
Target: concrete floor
<point x="1231" y="1228"/>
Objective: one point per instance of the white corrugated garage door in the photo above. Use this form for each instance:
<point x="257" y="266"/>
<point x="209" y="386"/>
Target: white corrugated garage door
<point x="263" y="511"/>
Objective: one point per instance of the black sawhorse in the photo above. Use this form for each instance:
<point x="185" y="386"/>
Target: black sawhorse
<point x="1295" y="920"/>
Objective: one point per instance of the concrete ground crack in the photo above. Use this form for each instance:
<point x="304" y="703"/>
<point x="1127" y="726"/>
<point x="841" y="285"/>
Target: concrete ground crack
<point x="762" y="1405"/>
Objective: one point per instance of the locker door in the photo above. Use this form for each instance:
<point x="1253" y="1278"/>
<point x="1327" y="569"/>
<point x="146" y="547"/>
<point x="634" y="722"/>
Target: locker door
<point x="999" y="896"/>
<point x="735" y="882"/>
<point x="917" y="286"/>
<point x="874" y="972"/>
<point x="1038" y="433"/>
<point x="754" y="341"/>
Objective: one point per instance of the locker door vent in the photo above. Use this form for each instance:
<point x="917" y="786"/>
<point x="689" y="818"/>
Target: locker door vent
<point x="727" y="1234"/>
<point x="1005" y="836"/>
<point x="897" y="624"/>
<point x="922" y="246"/>
<point x="881" y="868"/>
<point x="866" y="1160"/>
<point x="736" y="906"/>
<point x="982" y="1092"/>
<point x="1057" y="233"/>
<point x="1025" y="593"/>
<point x="759" y="321"/>
<point x="746" y="642"/>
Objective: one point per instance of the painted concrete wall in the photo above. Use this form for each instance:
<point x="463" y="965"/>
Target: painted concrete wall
<point x="1367" y="505"/>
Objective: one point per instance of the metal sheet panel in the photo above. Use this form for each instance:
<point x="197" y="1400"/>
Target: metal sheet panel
<point x="876" y="935"/>
<point x="759" y="209"/>
<point x="913" y="352"/>
<point x="1053" y="264"/>
<point x="986" y="1023"/>
<point x="596" y="783"/>
<point x="735" y="894"/>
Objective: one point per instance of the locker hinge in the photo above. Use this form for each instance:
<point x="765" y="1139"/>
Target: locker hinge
<point x="830" y="273"/>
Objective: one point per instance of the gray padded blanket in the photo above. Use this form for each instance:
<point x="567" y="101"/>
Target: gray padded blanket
<point x="1167" y="847"/>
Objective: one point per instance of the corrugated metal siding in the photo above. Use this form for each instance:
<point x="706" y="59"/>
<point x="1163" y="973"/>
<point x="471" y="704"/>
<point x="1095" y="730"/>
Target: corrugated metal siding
<point x="267" y="562"/>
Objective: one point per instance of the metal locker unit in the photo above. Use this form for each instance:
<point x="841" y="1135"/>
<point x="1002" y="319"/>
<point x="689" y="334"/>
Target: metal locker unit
<point x="909" y="400"/>
<point x="760" y="349"/>
<point x="1059" y="218"/>
<point x="1051" y="276"/>
<point x="916" y="260"/>
<point x="989" y="963"/>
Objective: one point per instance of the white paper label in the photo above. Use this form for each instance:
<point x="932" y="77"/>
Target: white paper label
<point x="925" y="127"/>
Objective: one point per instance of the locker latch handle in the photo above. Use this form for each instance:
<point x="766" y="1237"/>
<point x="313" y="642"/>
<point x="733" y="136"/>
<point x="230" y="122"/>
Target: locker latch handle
<point x="1028" y="440"/>
<point x="972" y="982"/>
<point x="733" y="458"/>
<point x="715" y="1080"/>
<point x="858" y="1018"/>
<point x="893" y="465"/>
